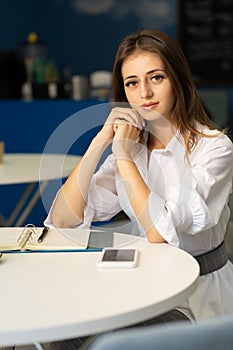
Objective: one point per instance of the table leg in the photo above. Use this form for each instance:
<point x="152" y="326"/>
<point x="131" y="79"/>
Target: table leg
<point x="31" y="203"/>
<point x="38" y="346"/>
<point x="20" y="204"/>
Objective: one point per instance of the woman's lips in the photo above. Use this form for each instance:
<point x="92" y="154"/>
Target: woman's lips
<point x="150" y="105"/>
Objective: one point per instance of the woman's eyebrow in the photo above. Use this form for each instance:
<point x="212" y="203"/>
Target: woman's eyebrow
<point x="130" y="77"/>
<point x="147" y="73"/>
<point x="155" y="70"/>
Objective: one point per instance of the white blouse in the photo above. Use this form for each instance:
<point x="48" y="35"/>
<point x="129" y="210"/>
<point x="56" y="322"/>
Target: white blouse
<point x="188" y="204"/>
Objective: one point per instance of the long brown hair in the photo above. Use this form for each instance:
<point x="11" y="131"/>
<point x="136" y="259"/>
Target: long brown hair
<point x="188" y="106"/>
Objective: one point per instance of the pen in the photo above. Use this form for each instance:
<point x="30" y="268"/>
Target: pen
<point x="43" y="234"/>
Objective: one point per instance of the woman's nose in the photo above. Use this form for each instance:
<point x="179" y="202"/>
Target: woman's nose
<point x="146" y="90"/>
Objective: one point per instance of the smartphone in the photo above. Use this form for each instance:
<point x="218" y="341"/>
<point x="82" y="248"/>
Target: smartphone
<point x="118" y="257"/>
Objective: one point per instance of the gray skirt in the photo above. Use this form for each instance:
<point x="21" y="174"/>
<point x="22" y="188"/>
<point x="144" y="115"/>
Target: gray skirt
<point x="83" y="343"/>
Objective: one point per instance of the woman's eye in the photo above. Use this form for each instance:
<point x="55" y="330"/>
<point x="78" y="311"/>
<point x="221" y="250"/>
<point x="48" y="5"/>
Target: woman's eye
<point x="157" y="77"/>
<point x="131" y="83"/>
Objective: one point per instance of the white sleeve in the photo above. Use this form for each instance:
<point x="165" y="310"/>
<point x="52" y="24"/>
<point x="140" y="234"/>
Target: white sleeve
<point x="197" y="197"/>
<point x="212" y="182"/>
<point x="103" y="202"/>
<point x="48" y="221"/>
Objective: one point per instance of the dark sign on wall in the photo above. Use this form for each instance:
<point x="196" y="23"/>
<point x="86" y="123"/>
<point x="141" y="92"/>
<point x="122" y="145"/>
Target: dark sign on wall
<point x="206" y="36"/>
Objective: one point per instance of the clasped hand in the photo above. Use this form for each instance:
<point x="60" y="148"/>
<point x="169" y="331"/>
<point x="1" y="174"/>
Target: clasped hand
<point x="126" y="125"/>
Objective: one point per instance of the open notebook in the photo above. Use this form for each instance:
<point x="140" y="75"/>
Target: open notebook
<point x="64" y="240"/>
<point x="55" y="239"/>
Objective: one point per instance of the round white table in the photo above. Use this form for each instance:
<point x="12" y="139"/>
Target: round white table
<point x="31" y="168"/>
<point x="53" y="296"/>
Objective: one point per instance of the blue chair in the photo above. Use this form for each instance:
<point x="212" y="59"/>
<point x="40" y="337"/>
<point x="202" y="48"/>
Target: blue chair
<point x="216" y="334"/>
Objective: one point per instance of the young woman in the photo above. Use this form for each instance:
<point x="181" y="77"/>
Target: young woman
<point x="170" y="169"/>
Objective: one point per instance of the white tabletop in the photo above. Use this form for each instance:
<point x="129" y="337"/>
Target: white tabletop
<point x="33" y="167"/>
<point x="52" y="296"/>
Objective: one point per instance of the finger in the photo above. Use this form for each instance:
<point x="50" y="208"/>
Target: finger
<point x="127" y="131"/>
<point x="127" y="114"/>
<point x="115" y="127"/>
<point x="140" y="118"/>
<point x="124" y="122"/>
<point x="134" y="117"/>
<point x="131" y="116"/>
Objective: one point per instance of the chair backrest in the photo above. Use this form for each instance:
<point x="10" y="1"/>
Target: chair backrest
<point x="216" y="334"/>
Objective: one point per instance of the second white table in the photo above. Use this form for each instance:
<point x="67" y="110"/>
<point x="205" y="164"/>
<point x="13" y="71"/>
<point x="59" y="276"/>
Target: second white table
<point x="31" y="168"/>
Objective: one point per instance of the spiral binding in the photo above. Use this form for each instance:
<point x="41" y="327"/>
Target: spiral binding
<point x="25" y="236"/>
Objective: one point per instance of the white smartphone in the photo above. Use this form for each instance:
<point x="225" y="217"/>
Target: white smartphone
<point x="118" y="257"/>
